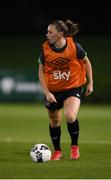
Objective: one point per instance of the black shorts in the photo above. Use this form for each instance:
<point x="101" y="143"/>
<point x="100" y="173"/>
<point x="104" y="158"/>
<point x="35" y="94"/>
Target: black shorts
<point x="62" y="96"/>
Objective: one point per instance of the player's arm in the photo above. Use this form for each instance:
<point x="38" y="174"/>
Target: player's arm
<point x="82" y="55"/>
<point x="89" y="74"/>
<point x="49" y="96"/>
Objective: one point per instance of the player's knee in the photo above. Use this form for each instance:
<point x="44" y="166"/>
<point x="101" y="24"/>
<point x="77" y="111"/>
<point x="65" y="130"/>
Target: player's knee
<point x="55" y="122"/>
<point x="69" y="116"/>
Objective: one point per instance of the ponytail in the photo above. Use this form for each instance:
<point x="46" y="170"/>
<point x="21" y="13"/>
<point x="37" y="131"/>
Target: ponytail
<point x="72" y="28"/>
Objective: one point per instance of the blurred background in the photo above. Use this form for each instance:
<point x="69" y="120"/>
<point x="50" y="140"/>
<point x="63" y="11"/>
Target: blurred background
<point x="23" y="25"/>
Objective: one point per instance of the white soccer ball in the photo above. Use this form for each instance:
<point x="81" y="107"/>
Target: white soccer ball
<point x="40" y="153"/>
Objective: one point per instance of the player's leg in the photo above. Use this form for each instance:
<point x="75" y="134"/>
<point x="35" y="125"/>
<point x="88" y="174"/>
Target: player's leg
<point x="71" y="108"/>
<point x="55" y="132"/>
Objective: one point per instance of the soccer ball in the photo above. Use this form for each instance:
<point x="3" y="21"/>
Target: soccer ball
<point x="40" y="153"/>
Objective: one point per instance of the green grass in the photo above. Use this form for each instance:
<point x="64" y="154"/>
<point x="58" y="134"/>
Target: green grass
<point x="21" y="126"/>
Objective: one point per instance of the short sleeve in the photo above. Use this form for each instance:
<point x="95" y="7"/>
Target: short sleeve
<point x="80" y="51"/>
<point x="41" y="59"/>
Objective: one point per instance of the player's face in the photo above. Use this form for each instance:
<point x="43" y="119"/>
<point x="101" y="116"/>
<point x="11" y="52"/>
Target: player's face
<point x="53" y="36"/>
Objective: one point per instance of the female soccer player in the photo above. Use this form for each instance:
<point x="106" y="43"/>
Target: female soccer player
<point x="63" y="69"/>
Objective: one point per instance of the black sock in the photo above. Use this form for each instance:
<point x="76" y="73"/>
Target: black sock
<point x="55" y="134"/>
<point x="73" y="129"/>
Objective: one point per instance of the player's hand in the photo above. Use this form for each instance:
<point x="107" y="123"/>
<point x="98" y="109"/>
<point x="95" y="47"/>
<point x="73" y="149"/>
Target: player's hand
<point x="50" y="97"/>
<point x="89" y="89"/>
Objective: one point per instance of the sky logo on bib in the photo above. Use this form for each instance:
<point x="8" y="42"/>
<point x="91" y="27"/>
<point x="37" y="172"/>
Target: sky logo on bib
<point x="61" y="75"/>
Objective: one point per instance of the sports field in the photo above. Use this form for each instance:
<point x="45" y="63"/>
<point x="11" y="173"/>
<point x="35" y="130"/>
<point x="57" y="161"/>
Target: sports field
<point x="22" y="126"/>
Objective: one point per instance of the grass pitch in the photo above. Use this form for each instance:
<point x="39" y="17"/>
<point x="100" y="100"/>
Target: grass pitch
<point x="22" y="126"/>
